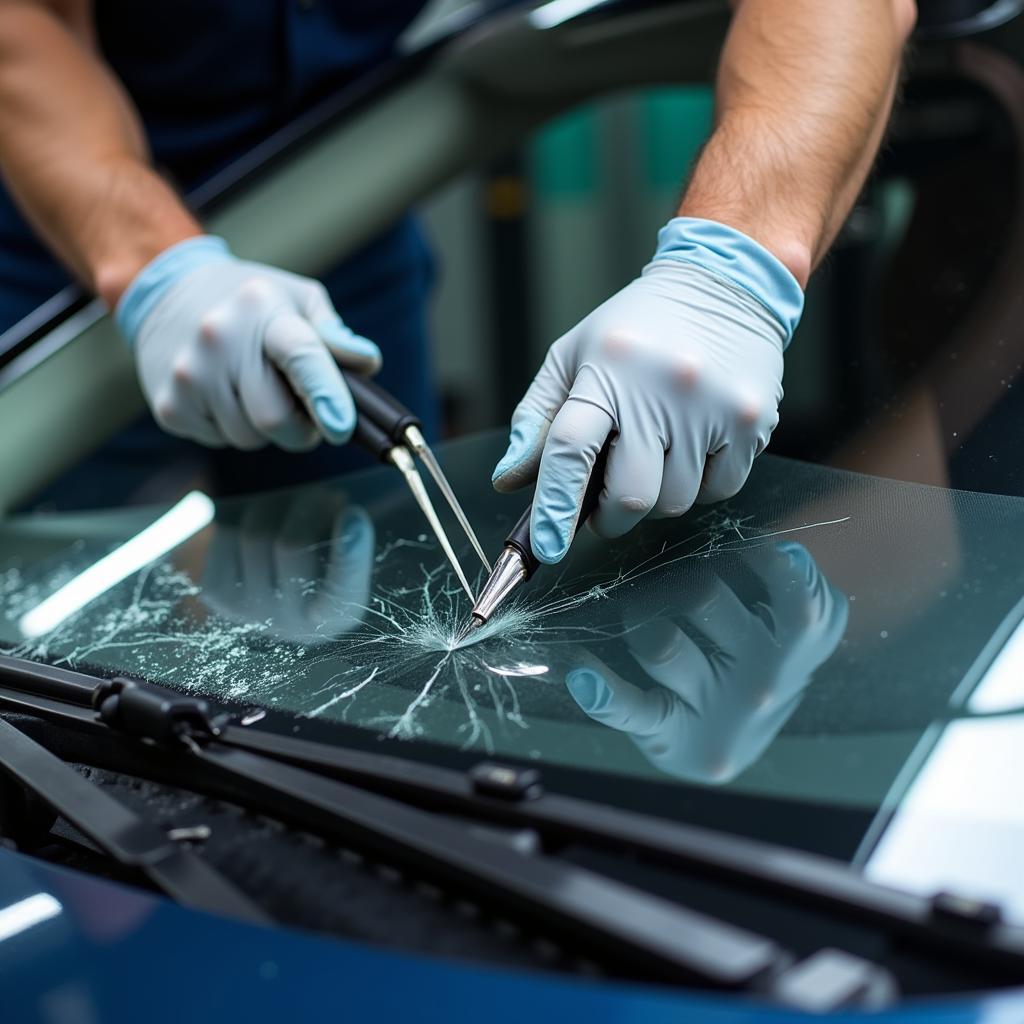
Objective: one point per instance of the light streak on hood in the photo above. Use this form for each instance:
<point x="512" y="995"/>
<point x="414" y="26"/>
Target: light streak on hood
<point x="26" y="913"/>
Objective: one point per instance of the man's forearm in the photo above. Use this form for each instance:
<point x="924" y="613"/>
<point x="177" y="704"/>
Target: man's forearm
<point x="73" y="154"/>
<point x="803" y="95"/>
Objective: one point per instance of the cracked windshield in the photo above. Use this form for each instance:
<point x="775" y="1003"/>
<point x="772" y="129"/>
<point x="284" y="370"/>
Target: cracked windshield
<point x="758" y="646"/>
<point x="828" y="659"/>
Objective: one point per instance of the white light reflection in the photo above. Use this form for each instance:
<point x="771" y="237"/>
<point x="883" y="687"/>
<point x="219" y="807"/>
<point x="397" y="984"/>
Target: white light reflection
<point x="520" y="669"/>
<point x="27" y="913"/>
<point x="556" y="12"/>
<point x="960" y="825"/>
<point x="1002" y="686"/>
<point x="174" y="527"/>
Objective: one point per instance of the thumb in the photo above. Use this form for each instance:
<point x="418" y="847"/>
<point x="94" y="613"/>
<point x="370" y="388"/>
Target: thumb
<point x="531" y="422"/>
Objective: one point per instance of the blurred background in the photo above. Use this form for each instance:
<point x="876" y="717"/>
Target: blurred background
<point x="908" y="359"/>
<point x="927" y="271"/>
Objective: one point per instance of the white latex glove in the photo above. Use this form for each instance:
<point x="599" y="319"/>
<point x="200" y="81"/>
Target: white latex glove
<point x="683" y="367"/>
<point x="300" y="563"/>
<point x="241" y="354"/>
<point x="716" y="707"/>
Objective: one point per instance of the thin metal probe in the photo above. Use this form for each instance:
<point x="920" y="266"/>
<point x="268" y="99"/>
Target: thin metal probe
<point x="418" y="444"/>
<point x="468" y="628"/>
<point x="400" y="457"/>
<point x="517" y="562"/>
<point x="510" y="569"/>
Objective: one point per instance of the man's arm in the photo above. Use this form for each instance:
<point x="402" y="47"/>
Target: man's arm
<point x="803" y="95"/>
<point x="680" y="373"/>
<point x="228" y="352"/>
<point x="72" y="150"/>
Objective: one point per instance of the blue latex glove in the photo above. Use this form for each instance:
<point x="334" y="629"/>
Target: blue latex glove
<point x="241" y="354"/>
<point x="683" y="367"/>
<point x="714" y="707"/>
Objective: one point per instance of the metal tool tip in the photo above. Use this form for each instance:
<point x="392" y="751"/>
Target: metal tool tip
<point x="468" y="628"/>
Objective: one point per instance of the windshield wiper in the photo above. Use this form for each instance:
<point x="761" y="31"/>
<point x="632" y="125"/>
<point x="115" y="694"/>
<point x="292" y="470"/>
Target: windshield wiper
<point x="511" y="796"/>
<point x="127" y="839"/>
<point x="649" y="935"/>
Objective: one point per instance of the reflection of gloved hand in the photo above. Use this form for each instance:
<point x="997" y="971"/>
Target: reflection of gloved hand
<point x="684" y="365"/>
<point x="236" y="353"/>
<point x="301" y="562"/>
<point x="713" y="714"/>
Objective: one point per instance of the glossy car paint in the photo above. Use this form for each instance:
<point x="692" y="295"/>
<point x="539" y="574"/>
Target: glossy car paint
<point x="119" y="956"/>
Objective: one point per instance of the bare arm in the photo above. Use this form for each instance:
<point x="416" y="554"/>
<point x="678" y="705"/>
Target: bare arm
<point x="803" y="95"/>
<point x="72" y="150"/>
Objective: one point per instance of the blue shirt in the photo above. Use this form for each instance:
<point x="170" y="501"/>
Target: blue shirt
<point x="210" y="79"/>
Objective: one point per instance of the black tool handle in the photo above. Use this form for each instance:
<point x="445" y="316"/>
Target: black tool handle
<point x="370" y="436"/>
<point x="519" y="537"/>
<point x="376" y="404"/>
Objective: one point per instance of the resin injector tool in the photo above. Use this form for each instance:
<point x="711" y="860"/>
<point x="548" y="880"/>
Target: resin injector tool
<point x="517" y="562"/>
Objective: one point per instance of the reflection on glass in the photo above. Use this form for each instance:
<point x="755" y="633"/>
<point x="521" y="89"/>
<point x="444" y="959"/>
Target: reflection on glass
<point x="1002" y="686"/>
<point x="959" y="827"/>
<point x="727" y="673"/>
<point x="299" y="562"/>
<point x="795" y="644"/>
<point x="174" y="527"/>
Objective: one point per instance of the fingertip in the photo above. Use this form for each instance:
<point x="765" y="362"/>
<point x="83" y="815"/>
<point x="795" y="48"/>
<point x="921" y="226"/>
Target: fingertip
<point x="589" y="689"/>
<point x="356" y="531"/>
<point x="504" y="466"/>
<point x="800" y="559"/>
<point x="336" y="419"/>
<point x="517" y="467"/>
<point x="368" y="351"/>
<point x="548" y="540"/>
<point x="507" y="478"/>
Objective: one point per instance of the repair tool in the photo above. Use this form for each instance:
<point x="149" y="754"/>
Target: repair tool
<point x="517" y="562"/>
<point x="387" y="429"/>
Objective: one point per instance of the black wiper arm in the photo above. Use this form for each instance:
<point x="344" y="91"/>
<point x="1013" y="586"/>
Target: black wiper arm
<point x="127" y="839"/>
<point x="653" y="936"/>
<point x="659" y="938"/>
<point x="510" y="796"/>
<point x="513" y="797"/>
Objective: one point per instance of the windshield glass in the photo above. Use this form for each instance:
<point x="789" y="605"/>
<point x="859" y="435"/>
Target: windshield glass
<point x="833" y="660"/>
<point x="842" y="647"/>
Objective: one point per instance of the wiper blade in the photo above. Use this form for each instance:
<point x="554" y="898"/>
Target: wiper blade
<point x="654" y="936"/>
<point x="511" y="796"/>
<point x="126" y="838"/>
<point x="659" y="938"/>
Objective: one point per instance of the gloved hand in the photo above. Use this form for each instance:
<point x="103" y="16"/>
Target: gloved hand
<point x="683" y="367"/>
<point x="300" y="562"/>
<point x="716" y="707"/>
<point x="236" y="353"/>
